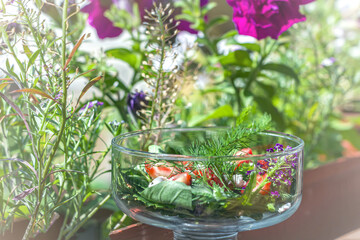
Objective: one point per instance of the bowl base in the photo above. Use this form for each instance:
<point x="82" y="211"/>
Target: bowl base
<point x="181" y="235"/>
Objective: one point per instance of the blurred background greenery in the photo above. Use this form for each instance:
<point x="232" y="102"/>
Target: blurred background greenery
<point x="308" y="80"/>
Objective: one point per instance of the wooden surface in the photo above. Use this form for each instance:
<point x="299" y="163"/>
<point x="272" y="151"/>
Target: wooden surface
<point x="330" y="209"/>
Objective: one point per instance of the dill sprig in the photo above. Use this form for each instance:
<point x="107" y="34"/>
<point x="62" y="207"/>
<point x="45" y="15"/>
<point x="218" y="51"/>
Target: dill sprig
<point x="233" y="140"/>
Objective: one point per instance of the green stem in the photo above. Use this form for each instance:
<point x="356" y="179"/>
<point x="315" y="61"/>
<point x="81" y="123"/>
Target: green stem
<point x="160" y="73"/>
<point x="265" y="181"/>
<point x="237" y="94"/>
<point x="211" y="46"/>
<point x="60" y="236"/>
<point x="88" y="216"/>
<point x="42" y="176"/>
<point x="101" y="159"/>
<point x="118" y="105"/>
<point x="37" y="41"/>
<point x="254" y="73"/>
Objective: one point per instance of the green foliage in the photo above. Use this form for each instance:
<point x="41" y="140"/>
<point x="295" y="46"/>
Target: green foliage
<point x="237" y="138"/>
<point x="48" y="158"/>
<point x="220" y="112"/>
<point x="170" y="192"/>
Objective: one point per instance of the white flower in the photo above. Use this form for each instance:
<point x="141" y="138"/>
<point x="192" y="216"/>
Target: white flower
<point x="238" y="180"/>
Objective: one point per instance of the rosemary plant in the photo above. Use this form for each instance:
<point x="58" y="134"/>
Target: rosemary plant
<point x="48" y="157"/>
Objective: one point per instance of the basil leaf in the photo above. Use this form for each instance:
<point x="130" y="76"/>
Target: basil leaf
<point x="202" y="194"/>
<point x="170" y="192"/>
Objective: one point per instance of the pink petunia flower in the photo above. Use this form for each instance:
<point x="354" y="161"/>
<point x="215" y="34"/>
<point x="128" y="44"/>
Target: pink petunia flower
<point x="266" y="18"/>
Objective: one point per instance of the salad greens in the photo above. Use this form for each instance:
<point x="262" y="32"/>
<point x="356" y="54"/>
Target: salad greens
<point x="216" y="187"/>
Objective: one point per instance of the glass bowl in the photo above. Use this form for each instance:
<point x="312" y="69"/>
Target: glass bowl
<point x="155" y="180"/>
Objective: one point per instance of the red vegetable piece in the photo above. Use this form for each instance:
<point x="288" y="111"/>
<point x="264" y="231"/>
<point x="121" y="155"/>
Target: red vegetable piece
<point x="265" y="190"/>
<point x="243" y="152"/>
<point x="158" y="171"/>
<point x="264" y="164"/>
<point x="182" y="177"/>
<point x="210" y="176"/>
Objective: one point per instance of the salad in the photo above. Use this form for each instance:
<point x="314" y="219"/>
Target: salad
<point x="219" y="187"/>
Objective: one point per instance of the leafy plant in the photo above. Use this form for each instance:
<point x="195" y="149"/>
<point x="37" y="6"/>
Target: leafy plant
<point x="48" y="158"/>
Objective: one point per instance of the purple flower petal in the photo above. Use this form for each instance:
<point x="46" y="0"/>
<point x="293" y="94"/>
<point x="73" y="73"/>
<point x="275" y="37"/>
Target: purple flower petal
<point x="266" y="18"/>
<point x="136" y="102"/>
<point x="104" y="27"/>
<point x="185" y="25"/>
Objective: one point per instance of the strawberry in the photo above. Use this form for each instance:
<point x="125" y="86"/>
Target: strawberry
<point x="182" y="177"/>
<point x="266" y="188"/>
<point x="156" y="171"/>
<point x="244" y="152"/>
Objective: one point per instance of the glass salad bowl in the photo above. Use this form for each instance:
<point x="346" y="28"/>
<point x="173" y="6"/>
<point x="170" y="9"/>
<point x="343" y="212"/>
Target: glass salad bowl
<point x="169" y="178"/>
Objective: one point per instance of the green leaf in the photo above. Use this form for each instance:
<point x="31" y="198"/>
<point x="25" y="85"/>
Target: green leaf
<point x="202" y="193"/>
<point x="170" y="192"/>
<point x="251" y="46"/>
<point x="110" y="83"/>
<point x="271" y="207"/>
<point x="220" y="112"/>
<point x="237" y="58"/>
<point x="125" y="55"/>
<point x="268" y="89"/>
<point x="229" y="34"/>
<point x="281" y="68"/>
<point x="155" y="149"/>
<point x="266" y="105"/>
<point x="219" y="193"/>
<point x="249" y="188"/>
<point x="312" y="110"/>
<point x="18" y="111"/>
<point x="219" y="89"/>
<point x="27" y="51"/>
<point x="33" y="58"/>
<point x="217" y="21"/>
<point x="205" y="9"/>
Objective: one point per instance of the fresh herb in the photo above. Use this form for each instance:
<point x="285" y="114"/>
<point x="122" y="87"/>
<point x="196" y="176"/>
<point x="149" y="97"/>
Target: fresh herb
<point x="170" y="192"/>
<point x="236" y="138"/>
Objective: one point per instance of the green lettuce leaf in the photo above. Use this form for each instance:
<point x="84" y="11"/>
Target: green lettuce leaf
<point x="170" y="192"/>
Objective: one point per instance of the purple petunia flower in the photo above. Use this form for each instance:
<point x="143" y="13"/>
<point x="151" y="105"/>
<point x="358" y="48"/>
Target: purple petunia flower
<point x="266" y="18"/>
<point x="105" y="28"/>
<point x="136" y="102"/>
